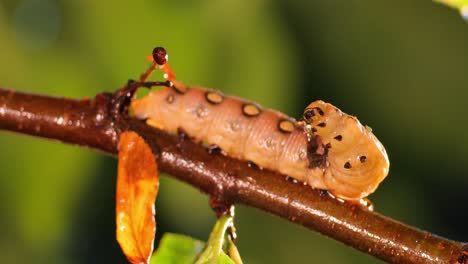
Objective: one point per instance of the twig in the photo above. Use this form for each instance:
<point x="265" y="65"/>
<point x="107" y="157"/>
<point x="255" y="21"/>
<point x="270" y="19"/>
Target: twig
<point x="89" y="122"/>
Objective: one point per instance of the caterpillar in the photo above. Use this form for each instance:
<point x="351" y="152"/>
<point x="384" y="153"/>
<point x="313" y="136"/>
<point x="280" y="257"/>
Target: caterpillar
<point x="328" y="149"/>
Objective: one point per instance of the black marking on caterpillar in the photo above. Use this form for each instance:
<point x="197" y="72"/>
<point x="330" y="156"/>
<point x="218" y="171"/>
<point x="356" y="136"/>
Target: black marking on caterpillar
<point x="317" y="153"/>
<point x="323" y="192"/>
<point x="310" y="113"/>
<point x="347" y="165"/>
<point x="213" y="149"/>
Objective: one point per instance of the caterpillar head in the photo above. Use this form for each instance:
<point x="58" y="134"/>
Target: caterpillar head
<point x="356" y="161"/>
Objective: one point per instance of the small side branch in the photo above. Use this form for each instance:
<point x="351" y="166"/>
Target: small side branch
<point x="88" y="122"/>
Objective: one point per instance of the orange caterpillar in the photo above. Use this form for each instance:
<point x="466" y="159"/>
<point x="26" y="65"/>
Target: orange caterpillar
<point x="329" y="150"/>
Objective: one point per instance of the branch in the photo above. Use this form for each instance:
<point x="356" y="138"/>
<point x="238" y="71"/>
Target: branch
<point x="89" y="122"/>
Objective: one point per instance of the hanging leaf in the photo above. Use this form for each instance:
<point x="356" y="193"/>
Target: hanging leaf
<point x="137" y="187"/>
<point x="180" y="249"/>
<point x="220" y="248"/>
<point x="177" y="249"/>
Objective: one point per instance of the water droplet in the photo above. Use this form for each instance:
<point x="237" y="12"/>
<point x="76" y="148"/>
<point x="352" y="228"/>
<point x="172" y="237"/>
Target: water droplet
<point x="99" y="117"/>
<point x="250" y="179"/>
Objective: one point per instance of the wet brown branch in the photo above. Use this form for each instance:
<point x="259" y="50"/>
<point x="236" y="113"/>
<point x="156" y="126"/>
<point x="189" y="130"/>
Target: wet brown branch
<point x="88" y="122"/>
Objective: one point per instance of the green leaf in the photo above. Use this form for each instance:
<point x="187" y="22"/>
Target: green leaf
<point x="175" y="248"/>
<point x="220" y="240"/>
<point x="222" y="259"/>
<point x="461" y="5"/>
<point x="453" y="3"/>
<point x="180" y="249"/>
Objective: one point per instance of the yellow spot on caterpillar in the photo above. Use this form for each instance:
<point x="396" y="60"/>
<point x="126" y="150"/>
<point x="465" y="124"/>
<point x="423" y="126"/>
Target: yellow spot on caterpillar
<point x="250" y="110"/>
<point x="153" y="123"/>
<point x="286" y="126"/>
<point x="214" y="97"/>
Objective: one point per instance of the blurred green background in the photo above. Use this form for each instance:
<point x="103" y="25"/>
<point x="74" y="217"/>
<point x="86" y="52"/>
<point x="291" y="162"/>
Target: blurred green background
<point x="400" y="66"/>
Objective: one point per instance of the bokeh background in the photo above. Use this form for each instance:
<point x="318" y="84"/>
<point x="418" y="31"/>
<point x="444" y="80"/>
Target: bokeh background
<point x="400" y="66"/>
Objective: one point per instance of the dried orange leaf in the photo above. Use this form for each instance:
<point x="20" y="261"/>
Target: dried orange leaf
<point x="137" y="187"/>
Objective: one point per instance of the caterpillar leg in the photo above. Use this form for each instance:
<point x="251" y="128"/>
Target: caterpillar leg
<point x="122" y="98"/>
